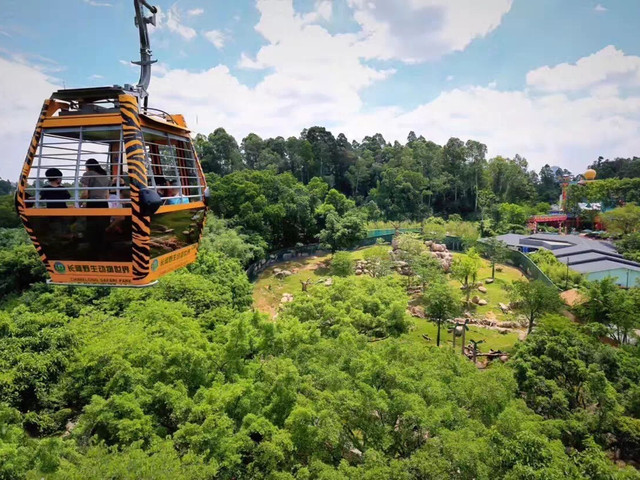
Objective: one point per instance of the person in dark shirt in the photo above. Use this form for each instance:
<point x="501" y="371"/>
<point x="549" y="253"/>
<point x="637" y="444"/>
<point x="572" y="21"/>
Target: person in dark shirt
<point x="55" y="192"/>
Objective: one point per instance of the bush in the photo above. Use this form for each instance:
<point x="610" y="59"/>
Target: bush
<point x="342" y="264"/>
<point x="555" y="269"/>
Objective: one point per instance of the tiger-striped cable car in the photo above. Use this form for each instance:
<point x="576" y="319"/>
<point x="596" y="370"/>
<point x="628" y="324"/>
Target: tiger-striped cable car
<point x="111" y="191"/>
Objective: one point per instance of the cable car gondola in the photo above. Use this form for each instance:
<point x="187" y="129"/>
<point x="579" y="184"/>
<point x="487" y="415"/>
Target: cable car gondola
<point x="111" y="191"/>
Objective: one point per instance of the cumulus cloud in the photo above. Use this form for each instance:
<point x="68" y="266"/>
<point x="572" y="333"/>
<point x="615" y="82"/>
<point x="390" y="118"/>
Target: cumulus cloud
<point x="568" y="114"/>
<point x="418" y="30"/>
<point x="546" y="127"/>
<point x="609" y="66"/>
<point x="195" y="12"/>
<point x="172" y="21"/>
<point x="600" y="8"/>
<point x="216" y="37"/>
<point x="23" y="88"/>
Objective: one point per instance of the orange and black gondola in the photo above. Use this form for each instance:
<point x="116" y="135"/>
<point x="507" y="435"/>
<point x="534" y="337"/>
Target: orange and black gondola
<point x="111" y="191"/>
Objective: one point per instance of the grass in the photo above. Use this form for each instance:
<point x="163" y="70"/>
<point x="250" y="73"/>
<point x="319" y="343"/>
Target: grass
<point x="496" y="291"/>
<point x="492" y="338"/>
<point x="268" y="292"/>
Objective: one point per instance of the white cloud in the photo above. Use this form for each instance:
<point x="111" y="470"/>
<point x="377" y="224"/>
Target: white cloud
<point x="216" y="37"/>
<point x="600" y="8"/>
<point x="195" y="12"/>
<point x="94" y="3"/>
<point x="605" y="67"/>
<point x="95" y="76"/>
<point x="172" y="21"/>
<point x="568" y="114"/>
<point x="418" y="30"/>
<point x="23" y="88"/>
<point x="545" y="127"/>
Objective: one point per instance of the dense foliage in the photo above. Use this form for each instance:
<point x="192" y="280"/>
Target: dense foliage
<point x="558" y="272"/>
<point x="184" y="381"/>
<point x="395" y="181"/>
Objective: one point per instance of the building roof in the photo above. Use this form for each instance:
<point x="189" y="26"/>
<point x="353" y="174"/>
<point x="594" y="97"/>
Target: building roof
<point x="602" y="266"/>
<point x="583" y="254"/>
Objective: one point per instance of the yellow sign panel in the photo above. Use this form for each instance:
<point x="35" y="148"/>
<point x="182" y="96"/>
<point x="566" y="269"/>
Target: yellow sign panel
<point x="172" y="261"/>
<point x="100" y="273"/>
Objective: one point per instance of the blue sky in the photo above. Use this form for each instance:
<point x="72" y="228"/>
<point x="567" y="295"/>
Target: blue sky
<point x="557" y="81"/>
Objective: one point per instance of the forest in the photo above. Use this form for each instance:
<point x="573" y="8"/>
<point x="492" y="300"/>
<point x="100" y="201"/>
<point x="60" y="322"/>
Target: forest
<point x="188" y="379"/>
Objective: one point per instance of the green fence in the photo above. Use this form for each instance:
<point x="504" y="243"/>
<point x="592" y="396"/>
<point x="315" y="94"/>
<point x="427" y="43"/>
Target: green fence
<point x="383" y="232"/>
<point x="530" y="269"/>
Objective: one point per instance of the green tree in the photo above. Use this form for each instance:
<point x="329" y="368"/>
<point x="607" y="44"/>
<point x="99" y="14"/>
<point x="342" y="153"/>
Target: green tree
<point x="219" y="152"/>
<point x="623" y="220"/>
<point x="441" y="303"/>
<point x="8" y="215"/>
<point x="342" y="264"/>
<point x="20" y="267"/>
<point x="343" y="232"/>
<point x="535" y="299"/>
<point x="378" y="261"/>
<point x="465" y="269"/>
<point x="496" y="251"/>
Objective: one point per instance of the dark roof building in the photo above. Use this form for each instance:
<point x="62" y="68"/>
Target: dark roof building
<point x="593" y="258"/>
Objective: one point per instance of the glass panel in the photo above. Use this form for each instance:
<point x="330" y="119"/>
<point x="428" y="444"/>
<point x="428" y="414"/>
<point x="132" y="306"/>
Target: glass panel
<point x="82" y="238"/>
<point x="174" y="230"/>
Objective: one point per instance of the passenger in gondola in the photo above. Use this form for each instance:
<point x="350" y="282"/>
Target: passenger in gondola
<point x="173" y="194"/>
<point x="96" y="180"/>
<point x="55" y="194"/>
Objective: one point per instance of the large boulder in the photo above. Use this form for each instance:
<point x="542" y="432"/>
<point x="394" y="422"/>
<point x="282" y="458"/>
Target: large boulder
<point x="482" y="302"/>
<point x="283" y="274"/>
<point x="286" y="298"/>
<point x="482" y="289"/>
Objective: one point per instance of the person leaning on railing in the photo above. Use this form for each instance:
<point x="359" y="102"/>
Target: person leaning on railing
<point x="55" y="193"/>
<point x="93" y="178"/>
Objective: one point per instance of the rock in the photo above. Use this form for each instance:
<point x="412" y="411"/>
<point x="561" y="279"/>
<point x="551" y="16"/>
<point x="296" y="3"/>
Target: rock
<point x="489" y="280"/>
<point x="358" y="271"/>
<point x="286" y="298"/>
<point x="499" y="269"/>
<point x="482" y="289"/>
<point x="328" y="282"/>
<point x="468" y="315"/>
<point x="283" y="274"/>
<point x="482" y="302"/>
<point x="417" y="311"/>
<point x="504" y="308"/>
<point x="476" y="300"/>
<point x="504" y="358"/>
<point x="276" y="270"/>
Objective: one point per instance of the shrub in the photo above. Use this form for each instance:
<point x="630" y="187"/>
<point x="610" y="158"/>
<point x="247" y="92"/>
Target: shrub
<point x="342" y="264"/>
